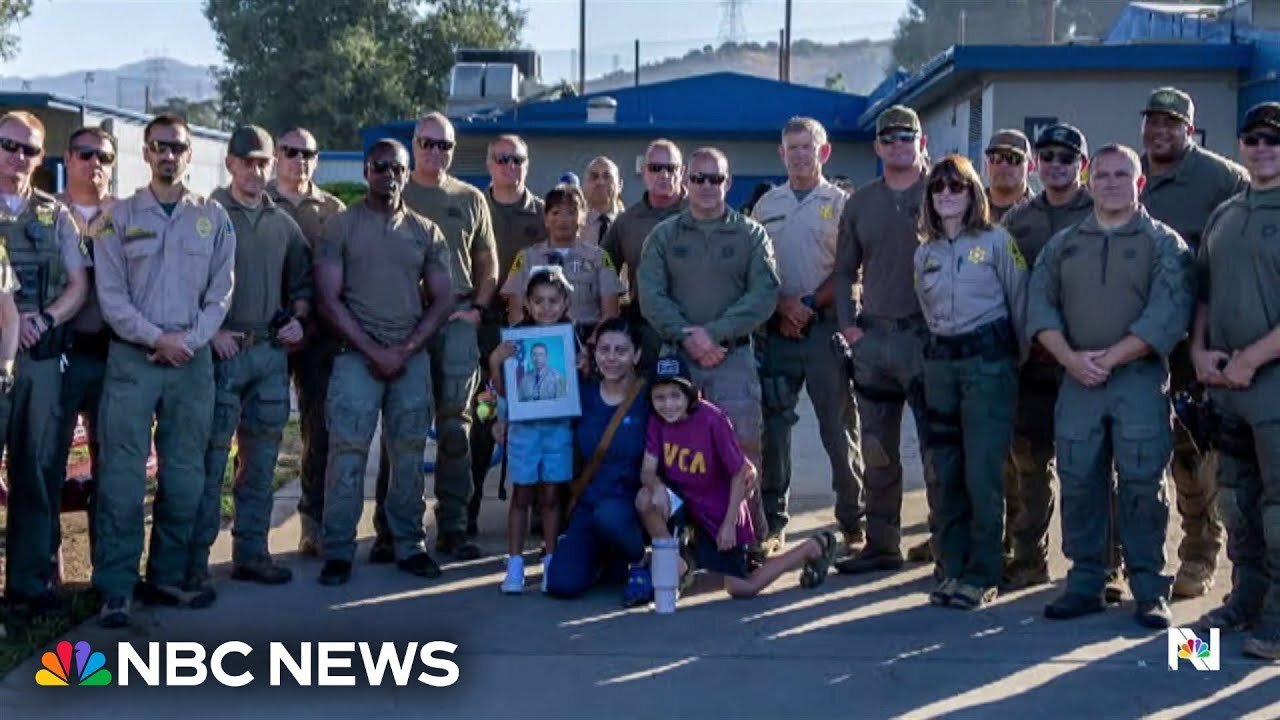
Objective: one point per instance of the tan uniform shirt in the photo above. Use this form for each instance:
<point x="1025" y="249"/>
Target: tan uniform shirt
<point x="515" y="227"/>
<point x="877" y="246"/>
<point x="310" y="212"/>
<point x="383" y="259"/>
<point x="273" y="267"/>
<point x="971" y="281"/>
<point x="588" y="268"/>
<point x="89" y="319"/>
<point x="803" y="232"/>
<point x="1185" y="197"/>
<point x="462" y="215"/>
<point x="160" y="273"/>
<point x="596" y="226"/>
<point x="625" y="239"/>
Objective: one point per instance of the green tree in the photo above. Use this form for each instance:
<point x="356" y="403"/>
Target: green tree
<point x="339" y="65"/>
<point x="203" y="112"/>
<point x="929" y="27"/>
<point x="12" y="12"/>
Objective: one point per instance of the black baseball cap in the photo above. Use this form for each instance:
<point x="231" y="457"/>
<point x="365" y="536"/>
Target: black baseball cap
<point x="250" y="141"/>
<point x="1265" y="114"/>
<point x="672" y="369"/>
<point x="1068" y="136"/>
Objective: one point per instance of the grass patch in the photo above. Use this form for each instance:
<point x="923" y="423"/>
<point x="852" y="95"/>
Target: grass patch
<point x="26" y="636"/>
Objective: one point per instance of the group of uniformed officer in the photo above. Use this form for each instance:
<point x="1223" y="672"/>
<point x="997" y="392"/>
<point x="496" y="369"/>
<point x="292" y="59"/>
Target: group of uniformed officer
<point x="190" y="314"/>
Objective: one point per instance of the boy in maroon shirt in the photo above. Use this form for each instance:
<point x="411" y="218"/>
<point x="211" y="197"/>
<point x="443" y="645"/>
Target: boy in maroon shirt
<point x="693" y="461"/>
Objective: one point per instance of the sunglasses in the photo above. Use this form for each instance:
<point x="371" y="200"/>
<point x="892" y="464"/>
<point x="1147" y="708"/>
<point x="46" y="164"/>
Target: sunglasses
<point x="293" y="152"/>
<point x="1061" y="157"/>
<point x="15" y="147"/>
<point x="705" y="178"/>
<point x="106" y="157"/>
<point x="430" y="144"/>
<point x="506" y="159"/>
<point x="955" y="187"/>
<point x="1256" y="139"/>
<point x="159" y="147"/>
<point x="900" y="136"/>
<point x="383" y="166"/>
<point x="1004" y="157"/>
<point x="658" y="168"/>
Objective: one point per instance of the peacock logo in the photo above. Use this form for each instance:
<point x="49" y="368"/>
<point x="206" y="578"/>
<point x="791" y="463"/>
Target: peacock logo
<point x="90" y="668"/>
<point x="1194" y="648"/>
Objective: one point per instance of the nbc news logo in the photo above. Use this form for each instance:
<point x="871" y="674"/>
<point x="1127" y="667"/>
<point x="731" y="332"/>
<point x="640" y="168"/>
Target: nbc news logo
<point x="1185" y="645"/>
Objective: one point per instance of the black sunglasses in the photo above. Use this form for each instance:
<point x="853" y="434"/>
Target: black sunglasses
<point x="657" y="168"/>
<point x="15" y="147"/>
<point x="106" y="157"/>
<point x="1062" y="157"/>
<point x="1256" y="139"/>
<point x="1004" y="157"/>
<point x="509" y="159"/>
<point x="899" y="136"/>
<point x="177" y="147"/>
<point x="430" y="144"/>
<point x="703" y="178"/>
<point x="382" y="166"/>
<point x="955" y="186"/>
<point x="293" y="152"/>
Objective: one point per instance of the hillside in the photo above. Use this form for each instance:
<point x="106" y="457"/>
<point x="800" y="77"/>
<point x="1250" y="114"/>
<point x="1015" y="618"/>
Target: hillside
<point x="862" y="64"/>
<point x="125" y="86"/>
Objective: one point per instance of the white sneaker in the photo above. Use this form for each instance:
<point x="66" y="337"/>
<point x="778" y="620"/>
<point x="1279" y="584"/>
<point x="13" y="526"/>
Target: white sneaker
<point x="546" y="565"/>
<point x="513" y="584"/>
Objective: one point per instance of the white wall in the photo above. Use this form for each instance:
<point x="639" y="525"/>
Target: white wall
<point x="946" y="125"/>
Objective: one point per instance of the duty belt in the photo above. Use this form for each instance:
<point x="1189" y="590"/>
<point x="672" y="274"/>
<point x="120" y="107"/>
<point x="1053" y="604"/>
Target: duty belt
<point x="992" y="341"/>
<point x="911" y="322"/>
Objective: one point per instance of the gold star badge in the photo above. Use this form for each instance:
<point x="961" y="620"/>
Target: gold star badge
<point x="977" y="255"/>
<point x="826" y="212"/>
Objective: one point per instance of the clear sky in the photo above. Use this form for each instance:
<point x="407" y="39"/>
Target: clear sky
<point x="65" y="35"/>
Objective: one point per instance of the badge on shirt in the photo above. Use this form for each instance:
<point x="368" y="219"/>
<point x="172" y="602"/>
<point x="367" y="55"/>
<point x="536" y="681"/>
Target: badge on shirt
<point x="204" y="227"/>
<point x="134" y="233"/>
<point x="827" y="212"/>
<point x="44" y="214"/>
<point x="977" y="255"/>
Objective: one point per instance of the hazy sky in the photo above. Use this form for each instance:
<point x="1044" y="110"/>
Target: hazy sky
<point x="65" y="35"/>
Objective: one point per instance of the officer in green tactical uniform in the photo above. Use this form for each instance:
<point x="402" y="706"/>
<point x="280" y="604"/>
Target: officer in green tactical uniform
<point x="664" y="196"/>
<point x="294" y="192"/>
<point x="886" y="331"/>
<point x="972" y="285"/>
<point x="707" y="280"/>
<point x="1109" y="298"/>
<point x="1062" y="156"/>
<point x="269" y="309"/>
<point x="382" y="282"/>
<point x="1235" y="345"/>
<point x="91" y="153"/>
<point x="802" y="218"/>
<point x="49" y="262"/>
<point x="165" y="260"/>
<point x="1185" y="183"/>
<point x="463" y="216"/>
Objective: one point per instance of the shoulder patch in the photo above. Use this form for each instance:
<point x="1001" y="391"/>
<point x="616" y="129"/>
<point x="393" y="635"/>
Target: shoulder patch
<point x="517" y="264"/>
<point x="607" y="261"/>
<point x="1019" y="261"/>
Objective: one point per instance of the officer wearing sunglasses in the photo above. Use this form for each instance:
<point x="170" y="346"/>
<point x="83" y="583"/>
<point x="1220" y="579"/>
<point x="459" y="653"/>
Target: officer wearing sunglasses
<point x="1008" y="159"/>
<point x="708" y="279"/>
<point x="49" y="287"/>
<point x="1234" y="350"/>
<point x="1185" y="183"/>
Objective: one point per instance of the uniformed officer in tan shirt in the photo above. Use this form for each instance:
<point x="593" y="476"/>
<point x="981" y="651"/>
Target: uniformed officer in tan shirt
<point x="603" y="187"/>
<point x="1185" y="183"/>
<point x="294" y="191"/>
<point x="165" y="262"/>
<point x="802" y="217"/>
<point x="383" y="284"/>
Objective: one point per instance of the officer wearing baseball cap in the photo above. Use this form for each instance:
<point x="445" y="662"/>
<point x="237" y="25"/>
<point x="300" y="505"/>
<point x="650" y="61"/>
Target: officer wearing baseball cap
<point x="1185" y="183"/>
<point x="1009" y="163"/>
<point x="1262" y="115"/>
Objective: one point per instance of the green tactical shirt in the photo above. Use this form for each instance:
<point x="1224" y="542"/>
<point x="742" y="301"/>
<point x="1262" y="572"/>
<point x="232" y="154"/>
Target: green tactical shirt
<point x="718" y="274"/>
<point x="877" y="247"/>
<point x="273" y="264"/>
<point x="1185" y="197"/>
<point x="515" y="227"/>
<point x="462" y="214"/>
<point x="1034" y="221"/>
<point x="625" y="238"/>
<point x="1239" y="269"/>
<point x="1097" y="285"/>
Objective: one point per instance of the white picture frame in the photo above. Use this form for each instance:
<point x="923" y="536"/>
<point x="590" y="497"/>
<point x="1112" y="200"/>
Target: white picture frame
<point x="541" y="379"/>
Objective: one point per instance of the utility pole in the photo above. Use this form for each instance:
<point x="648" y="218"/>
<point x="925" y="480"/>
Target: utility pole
<point x="1049" y="35"/>
<point x="782" y="55"/>
<point x="637" y="62"/>
<point x="960" y="38"/>
<point x="787" y="64"/>
<point x="582" y="47"/>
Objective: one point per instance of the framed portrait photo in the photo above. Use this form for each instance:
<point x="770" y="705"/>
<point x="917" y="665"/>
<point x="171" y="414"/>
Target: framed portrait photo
<point x="542" y="377"/>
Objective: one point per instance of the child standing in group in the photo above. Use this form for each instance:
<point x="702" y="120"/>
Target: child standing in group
<point x="692" y="446"/>
<point x="539" y="452"/>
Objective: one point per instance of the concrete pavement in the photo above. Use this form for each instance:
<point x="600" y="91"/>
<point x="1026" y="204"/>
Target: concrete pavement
<point x="857" y="647"/>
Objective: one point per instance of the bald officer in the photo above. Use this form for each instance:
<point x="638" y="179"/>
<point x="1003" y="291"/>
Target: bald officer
<point x="1185" y="183"/>
<point x="165" y="261"/>
<point x="802" y="218"/>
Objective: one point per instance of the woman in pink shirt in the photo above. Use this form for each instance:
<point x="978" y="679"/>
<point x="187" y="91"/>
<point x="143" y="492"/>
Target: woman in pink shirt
<point x="693" y="463"/>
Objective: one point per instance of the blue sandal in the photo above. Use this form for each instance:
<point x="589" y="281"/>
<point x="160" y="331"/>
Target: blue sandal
<point x="639" y="589"/>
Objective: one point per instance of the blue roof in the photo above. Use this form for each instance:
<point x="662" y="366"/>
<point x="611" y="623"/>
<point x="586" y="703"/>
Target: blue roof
<point x="727" y="105"/>
<point x="71" y="104"/>
<point x="963" y="61"/>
